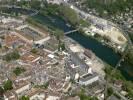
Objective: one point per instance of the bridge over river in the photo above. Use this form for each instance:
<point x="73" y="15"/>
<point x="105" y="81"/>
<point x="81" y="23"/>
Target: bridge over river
<point x="71" y="31"/>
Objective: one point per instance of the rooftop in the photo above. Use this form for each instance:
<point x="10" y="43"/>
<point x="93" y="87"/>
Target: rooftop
<point x="20" y="84"/>
<point x="13" y="40"/>
<point x="56" y="85"/>
<point x="30" y="58"/>
<point x="10" y="95"/>
<point x="88" y="76"/>
<point x="35" y="91"/>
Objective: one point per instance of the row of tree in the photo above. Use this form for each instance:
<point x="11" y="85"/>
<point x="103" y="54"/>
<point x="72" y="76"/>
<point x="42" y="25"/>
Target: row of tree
<point x="111" y="6"/>
<point x="7" y="85"/>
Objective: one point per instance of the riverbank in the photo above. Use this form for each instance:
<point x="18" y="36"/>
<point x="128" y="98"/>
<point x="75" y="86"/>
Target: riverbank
<point x="103" y="41"/>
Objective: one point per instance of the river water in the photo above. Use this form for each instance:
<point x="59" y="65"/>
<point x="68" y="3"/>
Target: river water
<point x="103" y="52"/>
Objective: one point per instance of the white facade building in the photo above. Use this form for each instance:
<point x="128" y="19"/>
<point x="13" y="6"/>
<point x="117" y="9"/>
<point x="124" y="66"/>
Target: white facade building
<point x="86" y="81"/>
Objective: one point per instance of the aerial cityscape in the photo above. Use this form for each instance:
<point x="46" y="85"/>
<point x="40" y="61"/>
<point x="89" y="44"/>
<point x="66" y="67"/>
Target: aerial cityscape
<point x="66" y="49"/>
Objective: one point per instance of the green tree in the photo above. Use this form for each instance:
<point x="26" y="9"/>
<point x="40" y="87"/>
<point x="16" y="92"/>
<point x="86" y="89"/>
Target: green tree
<point x="129" y="56"/>
<point x="58" y="33"/>
<point x="83" y="96"/>
<point x="35" y="4"/>
<point x="61" y="46"/>
<point x="8" y="85"/>
<point x="128" y="86"/>
<point x="24" y="98"/>
<point x="1" y="92"/>
<point x="12" y="56"/>
<point x="110" y="6"/>
<point x="109" y="91"/>
<point x="70" y="15"/>
<point x="52" y="9"/>
<point x="34" y="50"/>
<point x="0" y="45"/>
<point x="18" y="70"/>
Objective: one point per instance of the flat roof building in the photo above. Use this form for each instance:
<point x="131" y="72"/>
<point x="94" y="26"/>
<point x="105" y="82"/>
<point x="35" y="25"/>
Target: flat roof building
<point x="79" y="71"/>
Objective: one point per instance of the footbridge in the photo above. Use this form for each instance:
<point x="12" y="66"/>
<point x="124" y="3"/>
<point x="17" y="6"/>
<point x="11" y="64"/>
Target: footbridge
<point x="35" y="13"/>
<point x="69" y="32"/>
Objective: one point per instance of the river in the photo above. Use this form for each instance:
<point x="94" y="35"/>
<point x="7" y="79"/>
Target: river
<point x="103" y="52"/>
